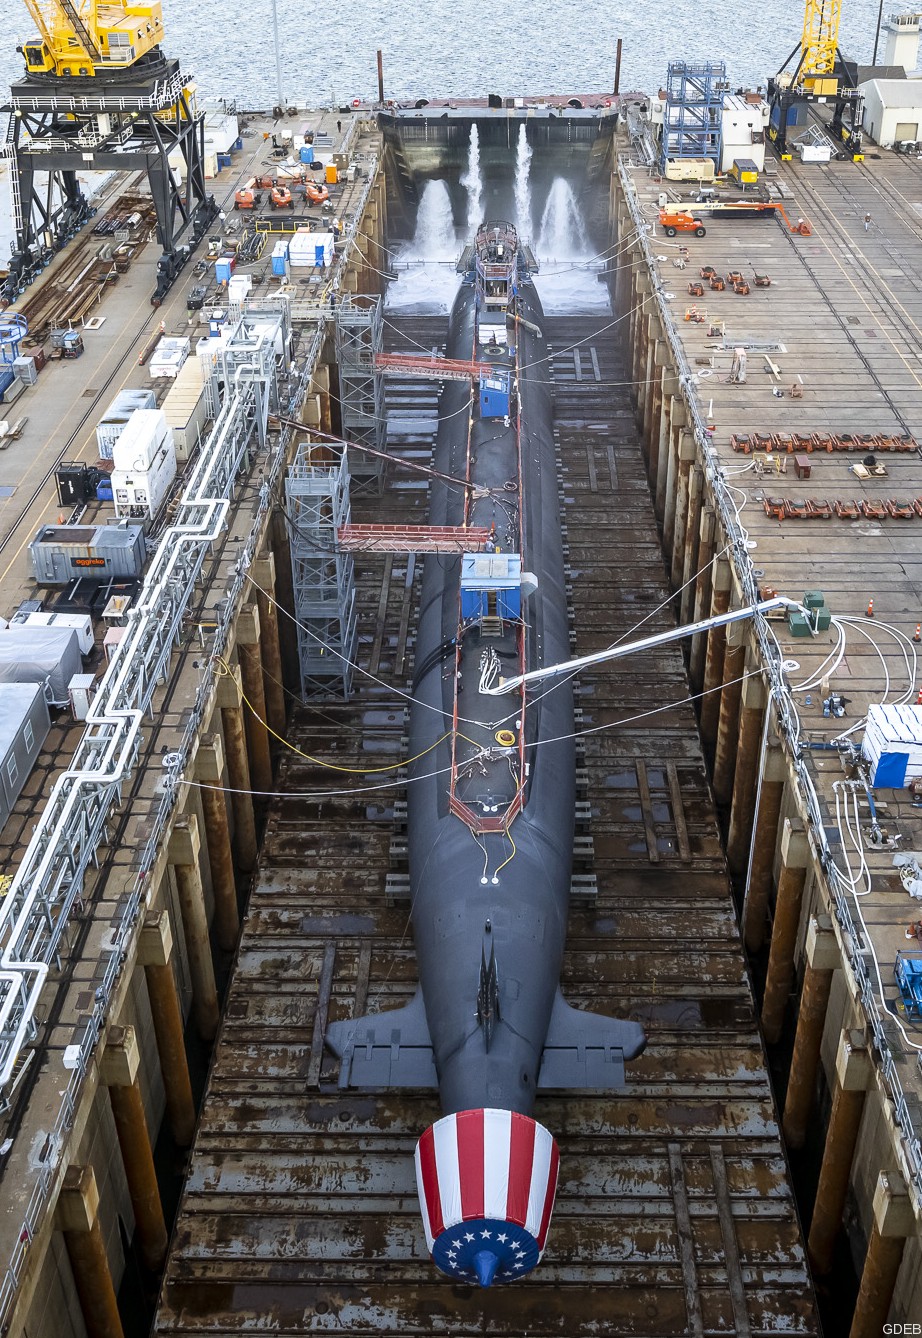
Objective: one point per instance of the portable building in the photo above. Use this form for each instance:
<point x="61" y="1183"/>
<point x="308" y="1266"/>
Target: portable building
<point x="49" y="656"/>
<point x="62" y="553"/>
<point x="24" y="726"/>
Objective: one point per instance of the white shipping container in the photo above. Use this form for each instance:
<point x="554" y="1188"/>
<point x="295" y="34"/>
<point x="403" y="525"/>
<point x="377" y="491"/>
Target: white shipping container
<point x="143" y="491"/>
<point x="221" y="132"/>
<point x="115" y="419"/>
<point x="185" y="408"/>
<point x="143" y="440"/>
<point x="169" y="356"/>
<point x="81" y="623"/>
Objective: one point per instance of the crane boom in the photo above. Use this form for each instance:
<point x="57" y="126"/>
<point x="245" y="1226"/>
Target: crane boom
<point x="77" y="38"/>
<point x="820" y="40"/>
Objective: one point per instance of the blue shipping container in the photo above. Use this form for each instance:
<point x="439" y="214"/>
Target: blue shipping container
<point x="223" y="270"/>
<point x="307" y="153"/>
<point x="6" y="380"/>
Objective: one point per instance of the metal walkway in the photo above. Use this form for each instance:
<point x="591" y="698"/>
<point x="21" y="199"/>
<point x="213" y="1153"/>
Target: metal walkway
<point x="674" y="1216"/>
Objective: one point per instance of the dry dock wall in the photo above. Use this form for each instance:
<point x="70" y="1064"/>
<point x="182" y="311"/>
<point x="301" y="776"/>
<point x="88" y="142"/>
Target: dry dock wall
<point x="848" y="1068"/>
<point x="111" y="1065"/>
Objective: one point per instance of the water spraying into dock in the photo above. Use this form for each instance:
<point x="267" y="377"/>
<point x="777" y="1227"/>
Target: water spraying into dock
<point x="425" y="266"/>
<point x="473" y="184"/>
<point x="570" y="276"/>
<point x="562" y="235"/>
<point x="523" y="184"/>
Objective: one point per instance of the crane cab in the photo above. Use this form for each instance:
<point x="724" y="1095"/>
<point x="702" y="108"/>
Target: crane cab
<point x="76" y="40"/>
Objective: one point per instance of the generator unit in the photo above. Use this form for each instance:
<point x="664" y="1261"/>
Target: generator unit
<point x="62" y="553"/>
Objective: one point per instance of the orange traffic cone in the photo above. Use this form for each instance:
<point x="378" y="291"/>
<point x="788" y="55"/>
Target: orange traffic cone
<point x="917" y="634"/>
<point x="869" y="612"/>
<point x="919" y="698"/>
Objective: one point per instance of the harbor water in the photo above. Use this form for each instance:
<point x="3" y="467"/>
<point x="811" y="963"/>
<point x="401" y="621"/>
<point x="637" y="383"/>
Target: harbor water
<point x="464" y="49"/>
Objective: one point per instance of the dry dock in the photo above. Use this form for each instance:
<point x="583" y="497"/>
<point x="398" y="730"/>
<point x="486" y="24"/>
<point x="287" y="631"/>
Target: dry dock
<point x="674" y="1215"/>
<point x="228" y="853"/>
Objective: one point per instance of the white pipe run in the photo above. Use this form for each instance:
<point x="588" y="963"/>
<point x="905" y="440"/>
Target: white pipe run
<point x="646" y="643"/>
<point x="120" y="748"/>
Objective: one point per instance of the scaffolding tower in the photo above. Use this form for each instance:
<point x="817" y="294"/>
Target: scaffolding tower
<point x="359" y="327"/>
<point x="317" y="507"/>
<point x="694" y="103"/>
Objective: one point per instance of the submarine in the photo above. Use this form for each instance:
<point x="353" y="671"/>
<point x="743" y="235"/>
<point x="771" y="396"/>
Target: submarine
<point x="490" y="804"/>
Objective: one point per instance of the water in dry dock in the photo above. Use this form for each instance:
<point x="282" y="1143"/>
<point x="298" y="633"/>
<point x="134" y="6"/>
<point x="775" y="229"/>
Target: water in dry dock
<point x="674" y="1214"/>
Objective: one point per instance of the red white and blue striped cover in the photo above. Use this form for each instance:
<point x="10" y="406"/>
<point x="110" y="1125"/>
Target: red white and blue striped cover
<point x="494" y="1173"/>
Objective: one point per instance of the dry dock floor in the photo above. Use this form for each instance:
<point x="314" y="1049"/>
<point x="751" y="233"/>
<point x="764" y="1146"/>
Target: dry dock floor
<point x="674" y="1214"/>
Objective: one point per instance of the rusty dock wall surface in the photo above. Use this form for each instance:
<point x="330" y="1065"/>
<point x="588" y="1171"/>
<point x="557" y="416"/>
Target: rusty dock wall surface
<point x="674" y="1214"/>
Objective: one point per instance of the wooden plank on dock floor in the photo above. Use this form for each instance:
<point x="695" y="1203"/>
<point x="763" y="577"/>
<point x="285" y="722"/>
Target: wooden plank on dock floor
<point x="374" y="662"/>
<point x="590" y="464"/>
<point x="678" y="812"/>
<point x="686" y="1241"/>
<point x="646" y="808"/>
<point x="320" y="1014"/>
<point x="731" y="1244"/>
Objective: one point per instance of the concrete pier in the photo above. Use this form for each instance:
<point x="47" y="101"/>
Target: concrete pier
<point x="185" y="845"/>
<point x="78" y="1215"/>
<point x="121" y="1062"/>
<point x="155" y="954"/>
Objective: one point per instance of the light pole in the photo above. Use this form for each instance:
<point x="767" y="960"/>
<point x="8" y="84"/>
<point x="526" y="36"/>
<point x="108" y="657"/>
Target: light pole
<point x="880" y="15"/>
<point x="278" y="54"/>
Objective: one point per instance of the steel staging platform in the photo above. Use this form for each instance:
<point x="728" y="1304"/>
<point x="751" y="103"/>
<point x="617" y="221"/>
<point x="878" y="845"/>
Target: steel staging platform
<point x="674" y="1214"/>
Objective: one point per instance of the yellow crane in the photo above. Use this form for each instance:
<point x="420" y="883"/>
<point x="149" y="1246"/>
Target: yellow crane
<point x="819" y="46"/>
<point x="77" y="38"/>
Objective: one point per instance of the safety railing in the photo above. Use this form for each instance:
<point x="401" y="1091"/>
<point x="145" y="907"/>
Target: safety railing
<point x="112" y="735"/>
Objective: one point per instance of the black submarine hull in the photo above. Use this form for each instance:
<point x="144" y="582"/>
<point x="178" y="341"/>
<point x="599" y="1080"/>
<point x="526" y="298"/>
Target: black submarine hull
<point x="527" y="910"/>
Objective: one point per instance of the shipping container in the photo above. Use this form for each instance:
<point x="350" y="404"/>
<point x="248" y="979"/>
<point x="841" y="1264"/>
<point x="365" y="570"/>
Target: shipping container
<point x="143" y="441"/>
<point x="24" y="726"/>
<point x="62" y="553"/>
<point x="113" y="422"/>
<point x="80" y="623"/>
<point x="185" y="409"/>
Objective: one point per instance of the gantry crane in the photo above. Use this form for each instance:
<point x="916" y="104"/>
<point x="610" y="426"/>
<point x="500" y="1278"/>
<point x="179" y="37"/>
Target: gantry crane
<point x="820" y="75"/>
<point x="98" y="94"/>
